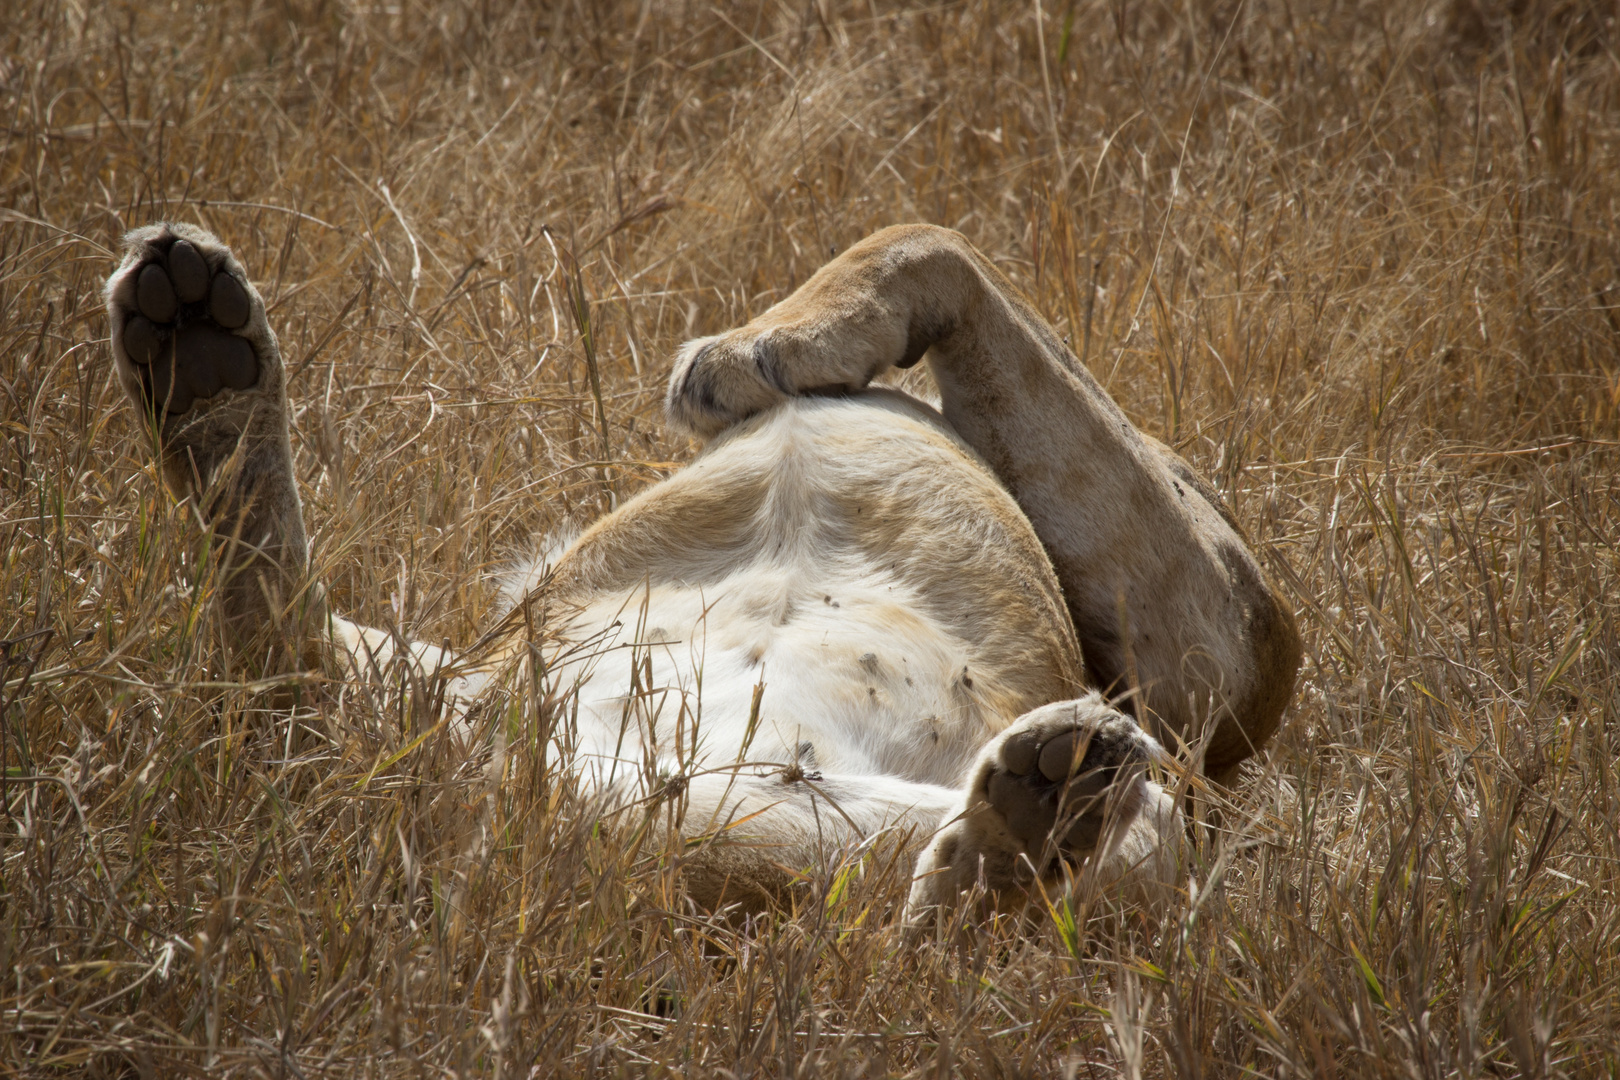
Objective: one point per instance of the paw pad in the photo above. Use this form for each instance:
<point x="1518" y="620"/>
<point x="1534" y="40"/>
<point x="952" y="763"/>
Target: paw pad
<point x="179" y="335"/>
<point x="1059" y="785"/>
<point x="154" y="295"/>
<point x="189" y="272"/>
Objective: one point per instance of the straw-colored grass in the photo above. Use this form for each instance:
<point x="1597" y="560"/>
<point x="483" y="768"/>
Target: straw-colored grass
<point x="1357" y="260"/>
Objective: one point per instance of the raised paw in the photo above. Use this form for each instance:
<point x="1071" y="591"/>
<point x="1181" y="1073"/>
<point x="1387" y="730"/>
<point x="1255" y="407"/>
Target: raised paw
<point x="1065" y="782"/>
<point x="881" y="304"/>
<point x="187" y="327"/>
<point x="720" y="380"/>
<point x="197" y="358"/>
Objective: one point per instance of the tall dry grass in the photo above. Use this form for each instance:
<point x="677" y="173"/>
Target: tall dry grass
<point x="1357" y="260"/>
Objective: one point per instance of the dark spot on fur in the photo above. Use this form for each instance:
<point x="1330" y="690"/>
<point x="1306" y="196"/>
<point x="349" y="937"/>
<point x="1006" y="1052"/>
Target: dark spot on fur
<point x="803" y="766"/>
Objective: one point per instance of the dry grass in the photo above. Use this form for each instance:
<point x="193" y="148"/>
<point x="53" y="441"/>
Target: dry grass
<point x="1358" y="260"/>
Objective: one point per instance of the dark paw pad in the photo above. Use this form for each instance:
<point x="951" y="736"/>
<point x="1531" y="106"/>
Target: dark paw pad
<point x="228" y="302"/>
<point x="189" y="273"/>
<point x="142" y="340"/>
<point x="1061" y="788"/>
<point x="179" y="337"/>
<point x="154" y="294"/>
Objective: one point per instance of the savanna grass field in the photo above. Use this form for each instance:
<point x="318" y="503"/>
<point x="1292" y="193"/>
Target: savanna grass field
<point x="1357" y="261"/>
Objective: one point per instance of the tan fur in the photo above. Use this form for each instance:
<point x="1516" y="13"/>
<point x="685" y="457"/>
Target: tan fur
<point x="906" y="589"/>
<point x="234" y="458"/>
<point x="1157" y="577"/>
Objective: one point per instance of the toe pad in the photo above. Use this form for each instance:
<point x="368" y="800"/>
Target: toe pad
<point x="142" y="341"/>
<point x="228" y="302"/>
<point x="188" y="272"/>
<point x="154" y="295"/>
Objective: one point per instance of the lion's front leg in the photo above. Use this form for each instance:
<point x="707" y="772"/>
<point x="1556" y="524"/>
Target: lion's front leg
<point x="1166" y="598"/>
<point x="1066" y="782"/>
<point x="880" y="304"/>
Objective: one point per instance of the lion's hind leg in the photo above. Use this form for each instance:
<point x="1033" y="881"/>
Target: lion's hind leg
<point x="198" y="360"/>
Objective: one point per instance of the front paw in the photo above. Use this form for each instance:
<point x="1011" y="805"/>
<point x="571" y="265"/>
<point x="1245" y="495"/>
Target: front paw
<point x="1065" y="782"/>
<point x="721" y="380"/>
<point x="718" y="381"/>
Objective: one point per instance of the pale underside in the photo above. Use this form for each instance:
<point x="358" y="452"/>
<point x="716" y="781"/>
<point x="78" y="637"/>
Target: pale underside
<point x="861" y="664"/>
<point x="837" y="623"/>
<point x="831" y="651"/>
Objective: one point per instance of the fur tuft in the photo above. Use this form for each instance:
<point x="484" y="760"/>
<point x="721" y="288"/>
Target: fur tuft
<point x="525" y="573"/>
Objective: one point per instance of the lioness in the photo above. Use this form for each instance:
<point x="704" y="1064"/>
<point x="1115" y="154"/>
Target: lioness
<point x="915" y="612"/>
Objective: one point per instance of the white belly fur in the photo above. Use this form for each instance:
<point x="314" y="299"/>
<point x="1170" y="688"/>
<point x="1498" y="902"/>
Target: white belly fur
<point x="845" y="664"/>
<point x="849" y="659"/>
<point x="825" y="592"/>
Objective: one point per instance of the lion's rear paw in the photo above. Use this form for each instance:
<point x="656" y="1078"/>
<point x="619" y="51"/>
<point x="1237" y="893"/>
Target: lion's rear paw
<point x="188" y="329"/>
<point x="1054" y="778"/>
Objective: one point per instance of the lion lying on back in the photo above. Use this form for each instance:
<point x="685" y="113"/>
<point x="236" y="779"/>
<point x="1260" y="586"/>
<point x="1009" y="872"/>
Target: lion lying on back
<point x="911" y="612"/>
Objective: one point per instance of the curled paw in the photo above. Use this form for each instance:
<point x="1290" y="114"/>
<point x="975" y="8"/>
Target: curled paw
<point x="805" y="346"/>
<point x="720" y="380"/>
